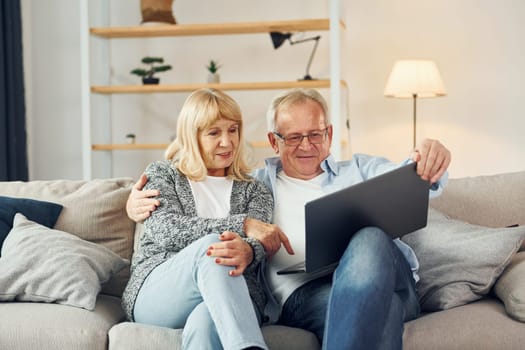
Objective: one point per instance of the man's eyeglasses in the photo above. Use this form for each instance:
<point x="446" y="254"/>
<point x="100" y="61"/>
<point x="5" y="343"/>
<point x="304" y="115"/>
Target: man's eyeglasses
<point x="314" y="137"/>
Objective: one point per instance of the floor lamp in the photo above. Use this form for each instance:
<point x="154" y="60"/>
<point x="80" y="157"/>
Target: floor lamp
<point x="414" y="79"/>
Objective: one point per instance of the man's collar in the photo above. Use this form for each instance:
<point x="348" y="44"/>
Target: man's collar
<point x="273" y="163"/>
<point x="328" y="165"/>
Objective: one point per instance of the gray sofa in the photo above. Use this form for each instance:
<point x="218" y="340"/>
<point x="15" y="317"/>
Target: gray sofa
<point x="94" y="211"/>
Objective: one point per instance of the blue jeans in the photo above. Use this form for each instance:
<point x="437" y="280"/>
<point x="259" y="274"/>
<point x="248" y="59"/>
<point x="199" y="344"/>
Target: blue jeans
<point x="366" y="301"/>
<point x="191" y="291"/>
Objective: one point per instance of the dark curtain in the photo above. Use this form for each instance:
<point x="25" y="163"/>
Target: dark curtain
<point x="13" y="146"/>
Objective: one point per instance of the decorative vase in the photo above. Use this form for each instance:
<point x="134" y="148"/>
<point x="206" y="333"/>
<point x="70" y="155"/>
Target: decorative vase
<point x="157" y="11"/>
<point x="214" y="78"/>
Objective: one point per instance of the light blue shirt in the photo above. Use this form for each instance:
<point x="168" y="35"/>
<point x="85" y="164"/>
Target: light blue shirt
<point x="349" y="172"/>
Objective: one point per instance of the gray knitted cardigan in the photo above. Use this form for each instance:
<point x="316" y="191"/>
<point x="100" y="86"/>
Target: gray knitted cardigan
<point x="175" y="224"/>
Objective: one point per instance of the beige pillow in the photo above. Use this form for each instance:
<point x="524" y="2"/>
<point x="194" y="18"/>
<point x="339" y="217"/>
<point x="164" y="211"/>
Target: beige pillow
<point x="460" y="262"/>
<point x="44" y="265"/>
<point x="93" y="210"/>
<point x="510" y="287"/>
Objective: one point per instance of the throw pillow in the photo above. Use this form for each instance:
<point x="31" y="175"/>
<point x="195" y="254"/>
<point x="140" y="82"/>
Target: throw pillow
<point x="45" y="213"/>
<point x="460" y="262"/>
<point x="510" y="287"/>
<point x="45" y="265"/>
<point x="94" y="210"/>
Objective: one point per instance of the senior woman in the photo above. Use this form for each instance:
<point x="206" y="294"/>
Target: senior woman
<point x="195" y="267"/>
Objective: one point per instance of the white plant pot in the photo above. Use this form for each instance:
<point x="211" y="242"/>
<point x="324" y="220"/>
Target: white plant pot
<point x="214" y="78"/>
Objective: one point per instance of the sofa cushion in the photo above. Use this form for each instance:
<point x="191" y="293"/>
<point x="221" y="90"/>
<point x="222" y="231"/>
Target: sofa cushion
<point x="136" y="336"/>
<point x="93" y="210"/>
<point x="510" y="287"/>
<point x="459" y="262"/>
<point x="479" y="325"/>
<point x="45" y="265"/>
<point x="51" y="326"/>
<point x="44" y="213"/>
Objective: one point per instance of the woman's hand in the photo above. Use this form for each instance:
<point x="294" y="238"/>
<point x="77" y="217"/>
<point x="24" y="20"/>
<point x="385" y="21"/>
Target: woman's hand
<point x="140" y="202"/>
<point x="232" y="251"/>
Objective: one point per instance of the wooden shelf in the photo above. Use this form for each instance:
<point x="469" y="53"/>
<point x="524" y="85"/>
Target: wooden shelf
<point x="154" y="146"/>
<point x="128" y="146"/>
<point x="163" y="146"/>
<point x="213" y="28"/>
<point x="271" y="85"/>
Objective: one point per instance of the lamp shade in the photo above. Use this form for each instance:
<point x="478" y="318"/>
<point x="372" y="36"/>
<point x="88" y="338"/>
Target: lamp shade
<point x="279" y="38"/>
<point x="414" y="78"/>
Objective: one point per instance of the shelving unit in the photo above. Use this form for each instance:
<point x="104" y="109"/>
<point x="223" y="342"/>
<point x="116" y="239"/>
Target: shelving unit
<point x="335" y="84"/>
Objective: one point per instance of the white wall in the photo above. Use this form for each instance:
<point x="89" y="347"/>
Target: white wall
<point x="479" y="48"/>
<point x="52" y="63"/>
<point x="478" y="45"/>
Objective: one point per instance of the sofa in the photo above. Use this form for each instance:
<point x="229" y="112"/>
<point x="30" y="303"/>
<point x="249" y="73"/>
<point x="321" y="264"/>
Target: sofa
<point x="484" y="310"/>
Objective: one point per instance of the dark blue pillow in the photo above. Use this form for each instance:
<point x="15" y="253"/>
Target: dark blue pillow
<point x="45" y="213"/>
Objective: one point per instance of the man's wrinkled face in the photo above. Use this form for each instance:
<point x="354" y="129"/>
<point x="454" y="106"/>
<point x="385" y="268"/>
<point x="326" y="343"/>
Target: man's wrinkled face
<point x="301" y="160"/>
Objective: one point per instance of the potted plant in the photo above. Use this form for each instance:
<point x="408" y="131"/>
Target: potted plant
<point x="213" y="76"/>
<point x="130" y="138"/>
<point x="147" y="74"/>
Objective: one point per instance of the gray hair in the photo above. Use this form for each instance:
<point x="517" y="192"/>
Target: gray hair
<point x="291" y="97"/>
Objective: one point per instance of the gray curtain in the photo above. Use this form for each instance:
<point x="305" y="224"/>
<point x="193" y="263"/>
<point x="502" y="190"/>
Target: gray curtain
<point x="13" y="146"/>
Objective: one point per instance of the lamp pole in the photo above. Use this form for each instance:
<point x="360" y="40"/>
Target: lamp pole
<point x="307" y="75"/>
<point x="414" y="122"/>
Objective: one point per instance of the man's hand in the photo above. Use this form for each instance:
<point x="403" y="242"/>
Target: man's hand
<point x="232" y="251"/>
<point x="432" y="160"/>
<point x="270" y="236"/>
<point x="140" y="203"/>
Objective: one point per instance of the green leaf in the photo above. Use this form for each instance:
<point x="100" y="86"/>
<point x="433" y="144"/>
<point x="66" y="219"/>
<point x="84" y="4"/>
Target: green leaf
<point x="150" y="60"/>
<point x="140" y="72"/>
<point x="161" y="68"/>
<point x="213" y="66"/>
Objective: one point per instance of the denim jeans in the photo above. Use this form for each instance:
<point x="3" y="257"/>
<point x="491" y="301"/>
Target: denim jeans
<point x="366" y="301"/>
<point x="191" y="291"/>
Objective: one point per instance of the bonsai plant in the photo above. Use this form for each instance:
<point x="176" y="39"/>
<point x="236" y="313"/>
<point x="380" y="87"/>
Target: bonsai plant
<point x="213" y="67"/>
<point x="130" y="138"/>
<point x="147" y="74"/>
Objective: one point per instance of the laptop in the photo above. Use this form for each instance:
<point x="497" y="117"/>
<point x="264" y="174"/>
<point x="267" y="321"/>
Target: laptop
<point x="396" y="202"/>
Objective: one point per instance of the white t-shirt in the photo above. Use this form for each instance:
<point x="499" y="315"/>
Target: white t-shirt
<point x="288" y="214"/>
<point x="212" y="196"/>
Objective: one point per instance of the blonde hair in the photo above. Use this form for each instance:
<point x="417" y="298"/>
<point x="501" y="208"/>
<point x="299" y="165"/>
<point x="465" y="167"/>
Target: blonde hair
<point x="291" y="97"/>
<point x="202" y="109"/>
